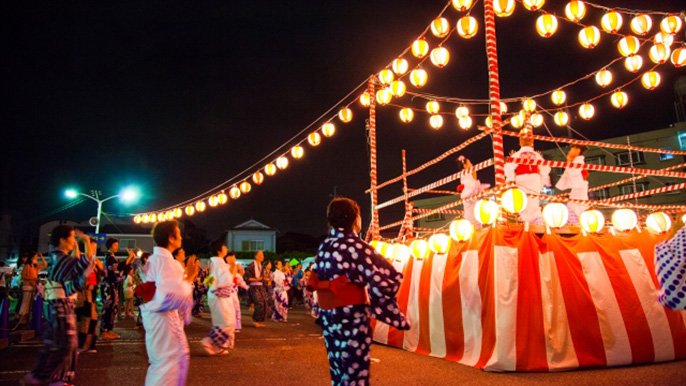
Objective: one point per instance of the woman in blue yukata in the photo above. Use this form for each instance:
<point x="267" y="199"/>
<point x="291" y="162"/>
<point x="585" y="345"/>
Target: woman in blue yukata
<point x="353" y="282"/>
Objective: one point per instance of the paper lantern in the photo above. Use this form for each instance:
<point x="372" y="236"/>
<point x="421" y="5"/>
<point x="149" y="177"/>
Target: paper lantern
<point x="561" y="118"/>
<point x="399" y="66"/>
<point x="386" y="76"/>
<point x="418" y="77"/>
<point x="161" y="217"/>
<point x="546" y="25"/>
<point x="313" y="139"/>
<point x="536" y="119"/>
<point x="555" y="214"/>
<point x="603" y="78"/>
<point x="200" y="206"/>
<point x="398" y="88"/>
<point x="245" y="187"/>
<point x="503" y="8"/>
<point x="328" y="129"/>
<point x="683" y="219"/>
<point x="489" y="122"/>
<point x="529" y="105"/>
<point x="533" y="5"/>
<point x="663" y="38"/>
<point x="365" y="99"/>
<point x="586" y="111"/>
<point x="387" y="250"/>
<point x="440" y="27"/>
<point x="659" y="222"/>
<point x="258" y="178"/>
<point x="611" y="22"/>
<point x="633" y="63"/>
<point x="517" y="121"/>
<point x="419" y="249"/>
<point x="462" y="112"/>
<point x="234" y="193"/>
<point x="420" y="48"/>
<point x="589" y="37"/>
<point x="592" y="221"/>
<point x="575" y="11"/>
<point x="440" y="56"/>
<point x="145" y="218"/>
<point x="462" y="5"/>
<point x="401" y="253"/>
<point x="461" y="230"/>
<point x="433" y="107"/>
<point x="137" y="219"/>
<point x="406" y="114"/>
<point x="514" y="200"/>
<point x="439" y="243"/>
<point x="467" y="27"/>
<point x="282" y="163"/>
<point x="671" y="24"/>
<point x="297" y="152"/>
<point x="503" y="107"/>
<point x="650" y="80"/>
<point x="465" y="122"/>
<point x="190" y="210"/>
<point x="486" y="212"/>
<point x="558" y="97"/>
<point x="384" y="96"/>
<point x="619" y="99"/>
<point x="624" y="219"/>
<point x="213" y="201"/>
<point x="345" y="115"/>
<point x="679" y="57"/>
<point x="641" y="24"/>
<point x="222" y="198"/>
<point x="153" y="217"/>
<point x="436" y="121"/>
<point x="628" y="45"/>
<point x="659" y="53"/>
<point x="270" y="169"/>
<point x="377" y="245"/>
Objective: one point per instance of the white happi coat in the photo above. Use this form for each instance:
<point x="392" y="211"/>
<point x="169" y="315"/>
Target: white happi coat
<point x="573" y="179"/>
<point x="471" y="186"/>
<point x="222" y="308"/>
<point x="529" y="182"/>
<point x="163" y="319"/>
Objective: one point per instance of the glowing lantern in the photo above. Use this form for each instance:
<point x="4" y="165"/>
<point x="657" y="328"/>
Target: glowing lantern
<point x="603" y="78"/>
<point x="633" y="63"/>
<point x="561" y="118"/>
<point x="137" y="219"/>
<point x="503" y="8"/>
<point x="462" y="5"/>
<point x="536" y="119"/>
<point x="401" y="253"/>
<point x="679" y="57"/>
<point x="314" y="139"/>
<point x="517" y="121"/>
<point x="440" y="56"/>
<point x="406" y="114"/>
<point x="671" y="25"/>
<point x="658" y="222"/>
<point x="663" y="38"/>
<point x="234" y="193"/>
<point x="546" y="25"/>
<point x="377" y="245"/>
<point x="297" y="151"/>
<point x="503" y="107"/>
<point x="399" y="66"/>
<point x="200" y="206"/>
<point x="419" y="249"/>
<point x="270" y="169"/>
<point x="611" y="22"/>
<point x="461" y="230"/>
<point x="418" y="77"/>
<point x="387" y="250"/>
<point x="245" y="187"/>
<point x="365" y="99"/>
<point x="258" y="178"/>
<point x="345" y="115"/>
<point x="213" y="201"/>
<point x="628" y="45"/>
<point x="489" y="122"/>
<point x="586" y="111"/>
<point x="589" y="37"/>
<point x="641" y="24"/>
<point x="384" y="96"/>
<point x="624" y="220"/>
<point x="575" y="10"/>
<point x="659" y="53"/>
<point x="619" y="99"/>
<point x="683" y="219"/>
<point x="433" y="107"/>
<point x="558" y="97"/>
<point x="529" y="105"/>
<point x="436" y="121"/>
<point x="650" y="80"/>
<point x="462" y="112"/>
<point x="161" y="217"/>
<point x="465" y="122"/>
<point x="222" y="198"/>
<point x="282" y="163"/>
<point x="592" y="221"/>
<point x="398" y="88"/>
<point x="145" y="218"/>
<point x="328" y="129"/>
<point x="555" y="215"/>
<point x="486" y="212"/>
<point x="439" y="243"/>
<point x="386" y="76"/>
<point x="533" y="5"/>
<point x="190" y="210"/>
<point x="420" y="48"/>
<point x="440" y="27"/>
<point x="467" y="27"/>
<point x="513" y="200"/>
<point x="153" y="217"/>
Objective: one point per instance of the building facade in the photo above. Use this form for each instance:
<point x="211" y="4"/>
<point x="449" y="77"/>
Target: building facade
<point x="251" y="236"/>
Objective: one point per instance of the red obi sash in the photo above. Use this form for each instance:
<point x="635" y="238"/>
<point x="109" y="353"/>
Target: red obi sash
<point x="146" y="291"/>
<point x="526" y="169"/>
<point x="339" y="292"/>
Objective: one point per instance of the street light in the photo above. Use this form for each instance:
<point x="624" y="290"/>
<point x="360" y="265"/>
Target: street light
<point x="127" y="195"/>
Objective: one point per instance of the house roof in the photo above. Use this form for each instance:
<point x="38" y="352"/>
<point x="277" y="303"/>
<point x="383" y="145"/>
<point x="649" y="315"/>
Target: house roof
<point x="252" y="225"/>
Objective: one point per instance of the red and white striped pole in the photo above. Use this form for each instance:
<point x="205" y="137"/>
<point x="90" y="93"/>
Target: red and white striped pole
<point x="494" y="93"/>
<point x="373" y="231"/>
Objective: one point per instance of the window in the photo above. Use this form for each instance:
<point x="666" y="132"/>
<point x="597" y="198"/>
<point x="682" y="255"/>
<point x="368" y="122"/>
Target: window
<point x="624" y="160"/>
<point x="435" y="217"/>
<point x="601" y="194"/>
<point x="665" y="156"/>
<point x="668" y="183"/>
<point x="629" y="188"/>
<point x="252" y="245"/>
<point x="127" y="243"/>
<point x="682" y="140"/>
<point x="596" y="160"/>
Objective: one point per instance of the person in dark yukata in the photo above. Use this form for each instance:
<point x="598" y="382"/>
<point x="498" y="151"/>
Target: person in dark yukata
<point x="258" y="292"/>
<point x="353" y="282"/>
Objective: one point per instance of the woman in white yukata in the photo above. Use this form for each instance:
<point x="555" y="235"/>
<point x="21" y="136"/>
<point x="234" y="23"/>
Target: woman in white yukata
<point x="220" y="300"/>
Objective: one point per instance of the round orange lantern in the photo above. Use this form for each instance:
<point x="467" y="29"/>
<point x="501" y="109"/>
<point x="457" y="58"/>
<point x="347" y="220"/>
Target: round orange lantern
<point x="387" y="250"/>
<point x="190" y="210"/>
<point x="641" y="24"/>
<point x="575" y="10"/>
<point x="503" y="8"/>
<point x="137" y="219"/>
<point x="603" y="78"/>
<point x="282" y="162"/>
<point x="533" y="5"/>
<point x="517" y="121"/>
<point x="257" y="178"/>
<point x="663" y="38"/>
<point x="628" y="45"/>
<point x="386" y="76"/>
<point x="465" y="122"/>
<point x="439" y="243"/>
<point x="558" y="97"/>
<point x="153" y="217"/>
<point x="561" y="118"/>
<point x="529" y="105"/>
<point x="555" y="214"/>
<point x="489" y="122"/>
<point x="213" y="201"/>
<point x="650" y="80"/>
<point x="586" y="111"/>
<point x="377" y="245"/>
<point x="313" y="139"/>
<point x="328" y="129"/>
<point x="679" y="57"/>
<point x="589" y="37"/>
<point x="619" y="99"/>
<point x="546" y="25"/>
<point x="611" y="22"/>
<point x="420" y="48"/>
<point x="671" y="25"/>
<point x="222" y="198"/>
<point x="659" y="222"/>
<point x="234" y="193"/>
<point x="461" y="230"/>
<point x="462" y="5"/>
<point x="592" y="221"/>
<point x="659" y="53"/>
<point x="270" y="169"/>
<point x="365" y="99"/>
<point x="384" y="96"/>
<point x="245" y="187"/>
<point x="399" y="66"/>
<point x="418" y="77"/>
<point x="486" y="212"/>
<point x="513" y="200"/>
<point x="633" y="63"/>
<point x="436" y="121"/>
<point x="624" y="219"/>
<point x="419" y="249"/>
<point x="345" y="115"/>
<point x="406" y="114"/>
<point x="433" y="107"/>
<point x="398" y="88"/>
<point x="440" y="27"/>
<point x="440" y="57"/>
<point x="200" y="206"/>
<point x="467" y="27"/>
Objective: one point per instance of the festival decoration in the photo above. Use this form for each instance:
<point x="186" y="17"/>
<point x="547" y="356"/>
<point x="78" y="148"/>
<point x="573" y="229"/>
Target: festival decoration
<point x="486" y="212"/>
<point x="406" y="114"/>
<point x="533" y="5"/>
<point x="245" y="187"/>
<point x="420" y="48"/>
<point x="513" y="200"/>
<point x="436" y="121"/>
<point x="401" y="252"/>
<point x="624" y="219"/>
<point x="270" y="169"/>
<point x="558" y="97"/>
<point x="461" y="230"/>
<point x="440" y="27"/>
<point x="440" y="57"/>
<point x="418" y="77"/>
<point x="190" y="210"/>
<point x="433" y="107"/>
<point x="234" y="193"/>
<point x="399" y="66"/>
<point x="200" y="206"/>
<point x="386" y="76"/>
<point x="586" y="111"/>
<point x="465" y="122"/>
<point x="575" y="11"/>
<point x="659" y="53"/>
<point x="628" y="45"/>
<point x="384" y="96"/>
<point x="419" y="249"/>
<point x="503" y="8"/>
<point x="663" y="38"/>
<point x="555" y="214"/>
<point x="658" y="222"/>
<point x="328" y="129"/>
<point x="546" y="25"/>
<point x="365" y="99"/>
<point x="536" y="120"/>
<point x="462" y="112"/>
<point x="641" y="24"/>
<point x="619" y="99"/>
<point x="462" y="5"/>
<point x="297" y="152"/>
<point x="529" y="105"/>
<point x="282" y="162"/>
<point x="345" y="115"/>
<point x="398" y="88"/>
<point x="592" y="221"/>
<point x="603" y="78"/>
<point x="439" y="243"/>
<point x="561" y="118"/>
<point x="589" y="37"/>
<point x="679" y="57"/>
<point x="650" y="80"/>
<point x="611" y="22"/>
<point x="671" y="25"/>
<point x="467" y="27"/>
<point x="633" y="63"/>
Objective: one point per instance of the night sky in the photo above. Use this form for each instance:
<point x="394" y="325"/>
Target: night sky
<point x="178" y="96"/>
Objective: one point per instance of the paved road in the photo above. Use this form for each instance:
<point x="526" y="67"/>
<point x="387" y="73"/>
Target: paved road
<point x="293" y="354"/>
